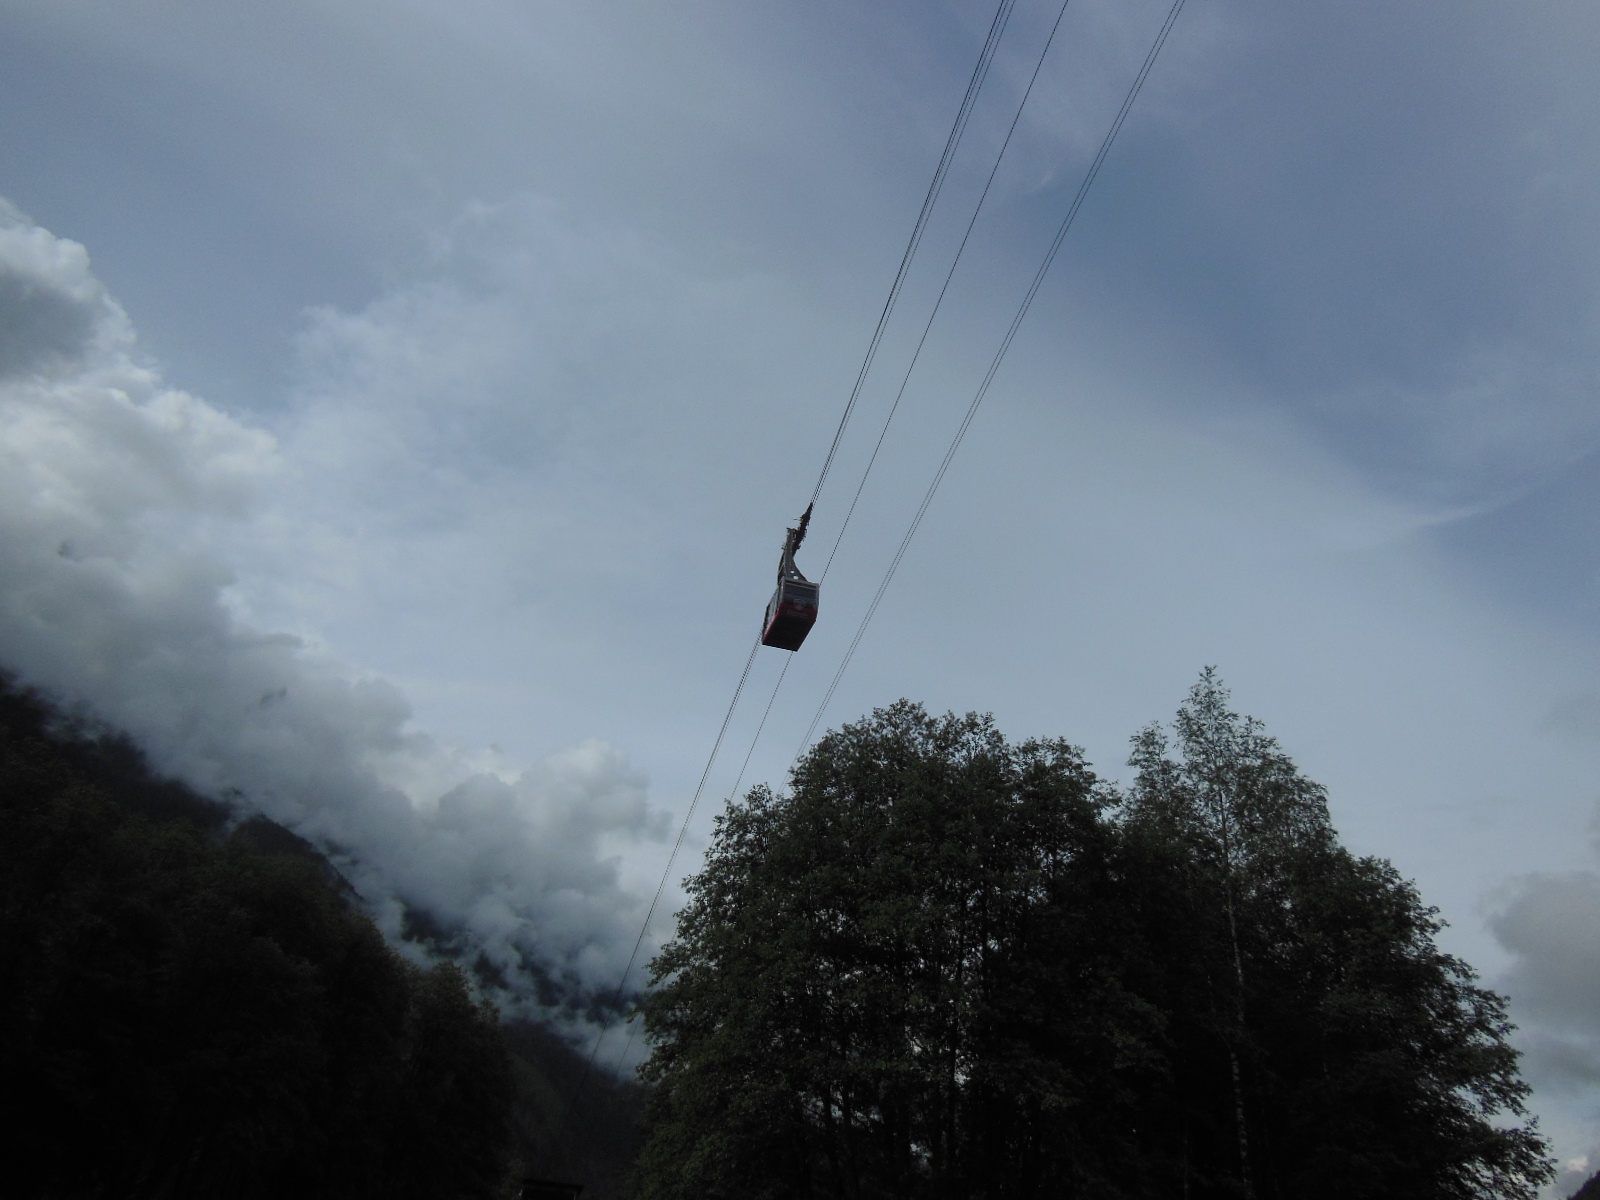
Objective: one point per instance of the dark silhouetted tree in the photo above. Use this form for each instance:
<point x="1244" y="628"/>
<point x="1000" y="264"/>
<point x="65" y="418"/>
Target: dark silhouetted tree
<point x="943" y="965"/>
<point x="1306" y="994"/>
<point x="899" y="979"/>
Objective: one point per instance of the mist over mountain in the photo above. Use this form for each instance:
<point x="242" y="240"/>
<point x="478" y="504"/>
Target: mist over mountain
<point x="121" y="500"/>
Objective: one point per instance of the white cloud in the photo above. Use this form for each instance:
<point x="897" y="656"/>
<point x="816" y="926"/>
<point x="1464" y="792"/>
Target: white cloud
<point x="1551" y="926"/>
<point x="1549" y="923"/>
<point x="121" y="502"/>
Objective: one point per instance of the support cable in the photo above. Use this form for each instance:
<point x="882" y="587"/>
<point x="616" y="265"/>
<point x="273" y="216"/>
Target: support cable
<point x="980" y="71"/>
<point x="906" y="378"/>
<point x="945" y="287"/>
<point x="997" y="27"/>
<point x="733" y="792"/>
<point x="994" y="365"/>
<point x="969" y="99"/>
<point x="616" y="996"/>
<point x="634" y="1025"/>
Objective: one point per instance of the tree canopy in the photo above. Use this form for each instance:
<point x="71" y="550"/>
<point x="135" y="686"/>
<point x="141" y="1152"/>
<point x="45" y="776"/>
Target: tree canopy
<point x="941" y="964"/>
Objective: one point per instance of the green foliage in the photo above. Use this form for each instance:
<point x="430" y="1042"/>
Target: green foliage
<point x="1361" y="1061"/>
<point x="943" y="965"/>
<point x="185" y="1016"/>
<point x="898" y="977"/>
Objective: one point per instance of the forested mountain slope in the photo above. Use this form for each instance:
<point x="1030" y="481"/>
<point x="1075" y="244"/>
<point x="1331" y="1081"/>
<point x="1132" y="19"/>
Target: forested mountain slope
<point x="196" y="1007"/>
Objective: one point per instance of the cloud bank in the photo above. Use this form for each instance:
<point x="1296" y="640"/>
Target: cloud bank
<point x="119" y="501"/>
<point x="1550" y="924"/>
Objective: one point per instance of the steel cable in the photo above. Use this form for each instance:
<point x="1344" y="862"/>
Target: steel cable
<point x="945" y="287"/>
<point x="974" y="85"/>
<point x="994" y="365"/>
<point x="616" y="996"/>
<point x="952" y="141"/>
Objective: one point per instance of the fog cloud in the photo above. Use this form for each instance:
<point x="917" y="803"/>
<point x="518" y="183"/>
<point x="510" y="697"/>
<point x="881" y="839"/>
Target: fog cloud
<point x="119" y="501"/>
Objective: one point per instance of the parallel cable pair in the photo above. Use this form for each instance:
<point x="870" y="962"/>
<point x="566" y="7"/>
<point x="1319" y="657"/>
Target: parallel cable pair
<point x="576" y="1098"/>
<point x="997" y="27"/>
<point x="958" y="128"/>
<point x="984" y="385"/>
<point x="994" y="365"/>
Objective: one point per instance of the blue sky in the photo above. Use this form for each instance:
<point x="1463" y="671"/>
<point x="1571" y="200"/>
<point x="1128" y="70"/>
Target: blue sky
<point x="456" y="368"/>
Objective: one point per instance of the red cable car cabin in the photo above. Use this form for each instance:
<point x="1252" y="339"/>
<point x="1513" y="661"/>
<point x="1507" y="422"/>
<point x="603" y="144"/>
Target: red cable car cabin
<point x="792" y="611"/>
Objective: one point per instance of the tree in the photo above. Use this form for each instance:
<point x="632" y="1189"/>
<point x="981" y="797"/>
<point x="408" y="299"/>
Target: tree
<point x="1309" y="999"/>
<point x="456" y="1092"/>
<point x="945" y="965"/>
<point x="898" y="979"/>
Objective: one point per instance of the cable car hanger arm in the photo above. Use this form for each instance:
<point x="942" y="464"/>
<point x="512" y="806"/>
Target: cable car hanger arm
<point x="791" y="543"/>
